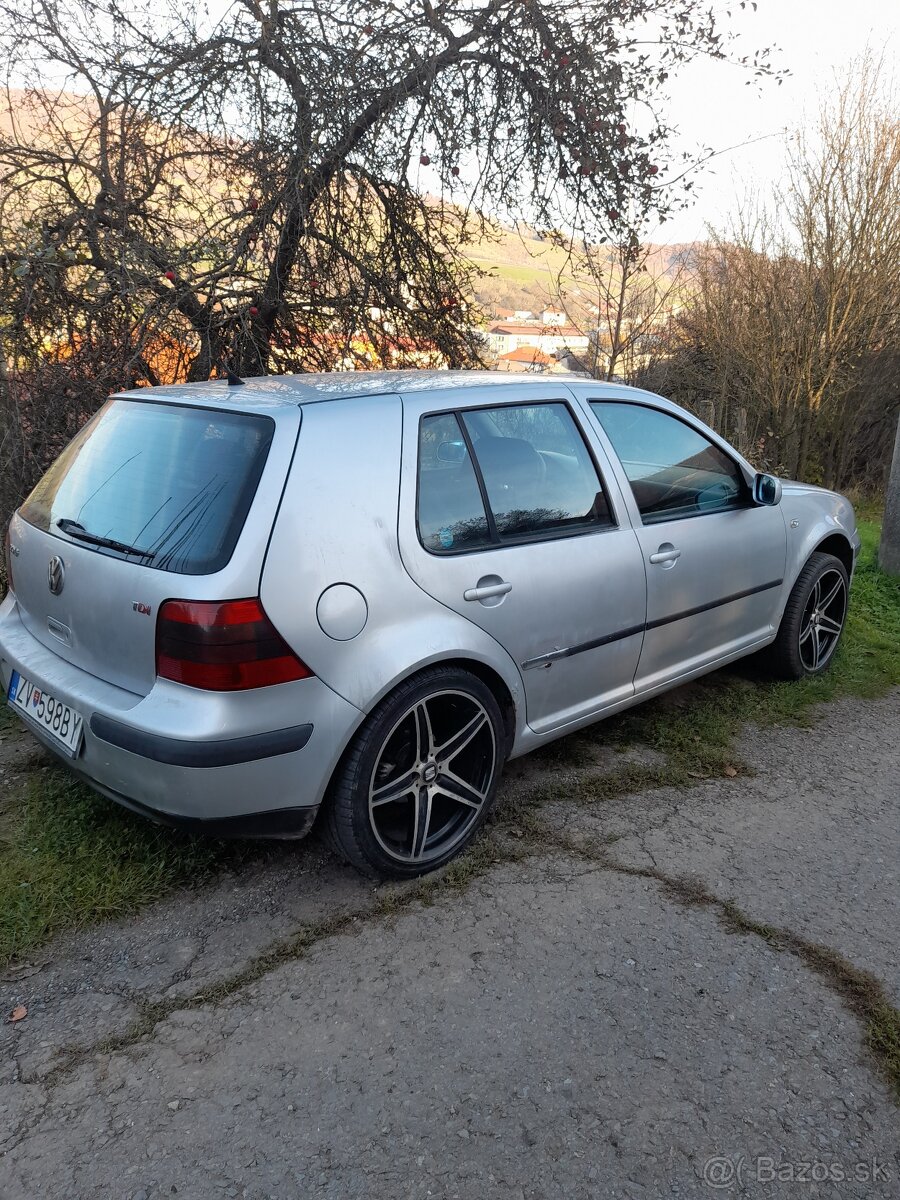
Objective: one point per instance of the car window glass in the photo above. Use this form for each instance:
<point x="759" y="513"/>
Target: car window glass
<point x="674" y="471"/>
<point x="176" y="483"/>
<point x="537" y="471"/>
<point x="450" y="510"/>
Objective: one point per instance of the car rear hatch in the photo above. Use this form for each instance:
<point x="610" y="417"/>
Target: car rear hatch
<point x="151" y="501"/>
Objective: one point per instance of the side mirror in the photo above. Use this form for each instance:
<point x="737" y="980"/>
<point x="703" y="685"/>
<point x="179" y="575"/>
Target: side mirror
<point x="451" y="452"/>
<point x="767" y="490"/>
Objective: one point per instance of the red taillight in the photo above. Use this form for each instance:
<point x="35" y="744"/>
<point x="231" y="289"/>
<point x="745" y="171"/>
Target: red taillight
<point x="8" y="554"/>
<point x="223" y="646"/>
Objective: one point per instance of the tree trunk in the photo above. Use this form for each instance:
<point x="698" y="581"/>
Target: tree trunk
<point x="889" y="549"/>
<point x="803" y="448"/>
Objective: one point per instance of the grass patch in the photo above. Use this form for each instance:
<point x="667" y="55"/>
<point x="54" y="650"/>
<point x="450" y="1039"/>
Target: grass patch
<point x="70" y="857"/>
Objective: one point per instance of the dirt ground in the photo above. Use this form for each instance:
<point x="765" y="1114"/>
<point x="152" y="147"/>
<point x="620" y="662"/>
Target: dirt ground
<point x="656" y="996"/>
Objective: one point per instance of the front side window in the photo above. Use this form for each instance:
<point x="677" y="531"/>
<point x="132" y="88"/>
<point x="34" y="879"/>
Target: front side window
<point x="169" y="486"/>
<point x="674" y="471"/>
<point x="537" y="472"/>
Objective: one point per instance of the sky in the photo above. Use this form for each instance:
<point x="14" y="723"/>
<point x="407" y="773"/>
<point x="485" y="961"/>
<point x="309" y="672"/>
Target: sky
<point x="711" y="105"/>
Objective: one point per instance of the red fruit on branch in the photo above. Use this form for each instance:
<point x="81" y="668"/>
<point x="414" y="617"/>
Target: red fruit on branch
<point x="253" y="204"/>
<point x="313" y="283"/>
<point x="454" y="171"/>
<point x="424" y="160"/>
<point x="653" y="171"/>
<point x="253" y="310"/>
<point x="170" y="275"/>
<point x="613" y="214"/>
<point x="368" y="30"/>
<point x="564" y="60"/>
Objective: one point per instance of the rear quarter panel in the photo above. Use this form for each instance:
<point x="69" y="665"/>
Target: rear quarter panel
<point x="337" y="524"/>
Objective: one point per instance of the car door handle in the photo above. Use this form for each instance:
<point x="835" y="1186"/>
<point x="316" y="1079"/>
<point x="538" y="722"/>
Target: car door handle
<point x="487" y="591"/>
<point x="665" y="554"/>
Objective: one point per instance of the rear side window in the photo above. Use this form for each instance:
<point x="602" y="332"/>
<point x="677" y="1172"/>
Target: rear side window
<point x="451" y="512"/>
<point x="173" y="483"/>
<point x="674" y="471"/>
<point x="531" y="469"/>
<point x="537" y="471"/>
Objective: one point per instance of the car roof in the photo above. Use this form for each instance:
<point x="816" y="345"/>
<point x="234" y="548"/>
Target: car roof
<point x="268" y="392"/>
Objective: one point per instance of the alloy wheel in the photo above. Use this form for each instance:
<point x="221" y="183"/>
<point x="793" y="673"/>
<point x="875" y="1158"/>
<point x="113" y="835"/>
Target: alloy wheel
<point x="823" y="620"/>
<point x="432" y="777"/>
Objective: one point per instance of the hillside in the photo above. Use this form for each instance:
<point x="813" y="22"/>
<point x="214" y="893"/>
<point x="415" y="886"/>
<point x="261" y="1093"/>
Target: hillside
<point x="525" y="271"/>
<point x="521" y="269"/>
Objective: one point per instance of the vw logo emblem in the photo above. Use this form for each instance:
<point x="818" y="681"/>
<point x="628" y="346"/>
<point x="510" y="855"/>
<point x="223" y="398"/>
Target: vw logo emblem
<point x="56" y="575"/>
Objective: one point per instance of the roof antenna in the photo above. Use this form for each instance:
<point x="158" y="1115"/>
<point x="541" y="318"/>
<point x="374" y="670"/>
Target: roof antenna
<point x="234" y="380"/>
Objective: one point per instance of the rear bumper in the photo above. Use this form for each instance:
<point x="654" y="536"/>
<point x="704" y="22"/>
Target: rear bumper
<point x="251" y="763"/>
<point x="224" y="752"/>
<point x="287" y="823"/>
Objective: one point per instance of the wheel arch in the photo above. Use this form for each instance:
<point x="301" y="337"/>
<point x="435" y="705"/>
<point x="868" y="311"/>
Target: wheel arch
<point x="491" y="678"/>
<point x="839" y="545"/>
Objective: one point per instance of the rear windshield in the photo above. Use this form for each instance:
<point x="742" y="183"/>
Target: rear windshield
<point x="171" y="486"/>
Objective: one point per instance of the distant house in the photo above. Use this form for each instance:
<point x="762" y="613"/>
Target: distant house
<point x="525" y="359"/>
<point x="506" y="336"/>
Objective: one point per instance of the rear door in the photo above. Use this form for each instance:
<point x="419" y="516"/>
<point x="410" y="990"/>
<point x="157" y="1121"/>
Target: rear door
<point x="715" y="560"/>
<point x="507" y="518"/>
<point x="186" y="494"/>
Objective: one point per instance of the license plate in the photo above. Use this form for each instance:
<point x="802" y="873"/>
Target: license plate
<point x="62" y="723"/>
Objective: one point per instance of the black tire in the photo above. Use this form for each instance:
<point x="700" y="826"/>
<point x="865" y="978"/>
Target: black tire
<point x="806" y="642"/>
<point x="387" y="829"/>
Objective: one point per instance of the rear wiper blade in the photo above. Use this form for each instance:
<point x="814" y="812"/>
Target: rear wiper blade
<point x="75" y="530"/>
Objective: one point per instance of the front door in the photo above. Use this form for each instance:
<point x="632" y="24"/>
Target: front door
<point x="506" y="519"/>
<point x="714" y="560"/>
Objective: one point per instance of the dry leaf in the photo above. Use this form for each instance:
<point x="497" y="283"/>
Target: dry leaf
<point x="731" y="772"/>
<point x="18" y="1013"/>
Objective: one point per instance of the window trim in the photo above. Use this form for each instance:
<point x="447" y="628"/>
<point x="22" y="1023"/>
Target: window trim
<point x="746" y="500"/>
<point x="497" y="542"/>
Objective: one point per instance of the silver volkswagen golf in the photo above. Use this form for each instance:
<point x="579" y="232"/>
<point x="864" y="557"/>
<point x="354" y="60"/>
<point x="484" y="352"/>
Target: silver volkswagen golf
<point x="232" y="607"/>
